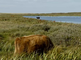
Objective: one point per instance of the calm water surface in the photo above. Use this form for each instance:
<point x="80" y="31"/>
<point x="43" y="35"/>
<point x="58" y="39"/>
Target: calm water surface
<point x="68" y="19"/>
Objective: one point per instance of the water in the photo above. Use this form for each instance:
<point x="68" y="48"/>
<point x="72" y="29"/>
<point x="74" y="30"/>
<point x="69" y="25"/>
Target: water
<point x="67" y="19"/>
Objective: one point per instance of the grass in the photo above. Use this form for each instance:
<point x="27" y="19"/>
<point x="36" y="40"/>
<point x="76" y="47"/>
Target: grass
<point x="65" y="36"/>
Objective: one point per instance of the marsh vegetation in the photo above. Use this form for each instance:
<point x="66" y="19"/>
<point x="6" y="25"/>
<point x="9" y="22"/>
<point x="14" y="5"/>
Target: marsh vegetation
<point x="66" y="37"/>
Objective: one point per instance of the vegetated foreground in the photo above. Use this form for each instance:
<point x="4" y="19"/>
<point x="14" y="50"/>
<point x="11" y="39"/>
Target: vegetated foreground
<point x="66" y="37"/>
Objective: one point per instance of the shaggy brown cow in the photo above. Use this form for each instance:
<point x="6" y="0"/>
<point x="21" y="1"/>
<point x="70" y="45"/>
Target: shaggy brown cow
<point x="33" y="43"/>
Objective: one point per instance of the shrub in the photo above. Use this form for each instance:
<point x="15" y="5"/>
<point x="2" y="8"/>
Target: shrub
<point x="39" y="27"/>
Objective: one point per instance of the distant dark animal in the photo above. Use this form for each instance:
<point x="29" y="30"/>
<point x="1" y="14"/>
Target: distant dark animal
<point x="32" y="43"/>
<point x="38" y="17"/>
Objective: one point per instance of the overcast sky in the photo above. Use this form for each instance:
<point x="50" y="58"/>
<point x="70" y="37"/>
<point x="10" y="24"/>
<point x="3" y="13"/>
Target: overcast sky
<point x="39" y="6"/>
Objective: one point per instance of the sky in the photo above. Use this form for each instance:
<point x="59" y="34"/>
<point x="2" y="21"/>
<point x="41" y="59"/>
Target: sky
<point x="40" y="6"/>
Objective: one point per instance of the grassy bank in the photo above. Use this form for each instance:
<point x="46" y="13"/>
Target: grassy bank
<point x="45" y="14"/>
<point x="65" y="36"/>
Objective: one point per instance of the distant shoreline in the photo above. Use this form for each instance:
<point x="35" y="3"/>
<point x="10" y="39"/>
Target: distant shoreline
<point x="41" y="13"/>
<point x="47" y="14"/>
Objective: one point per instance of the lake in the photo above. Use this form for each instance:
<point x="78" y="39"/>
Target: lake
<point x="67" y="19"/>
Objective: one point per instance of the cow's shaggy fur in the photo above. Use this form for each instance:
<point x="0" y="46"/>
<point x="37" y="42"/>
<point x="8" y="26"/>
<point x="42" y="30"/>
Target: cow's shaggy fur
<point x="33" y="43"/>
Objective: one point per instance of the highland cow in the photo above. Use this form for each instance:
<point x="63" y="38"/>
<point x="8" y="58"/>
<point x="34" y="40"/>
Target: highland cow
<point x="33" y="43"/>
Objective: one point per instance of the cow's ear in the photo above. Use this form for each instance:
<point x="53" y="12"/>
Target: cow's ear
<point x="18" y="38"/>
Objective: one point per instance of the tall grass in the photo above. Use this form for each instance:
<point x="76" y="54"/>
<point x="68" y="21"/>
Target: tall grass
<point x="65" y="36"/>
